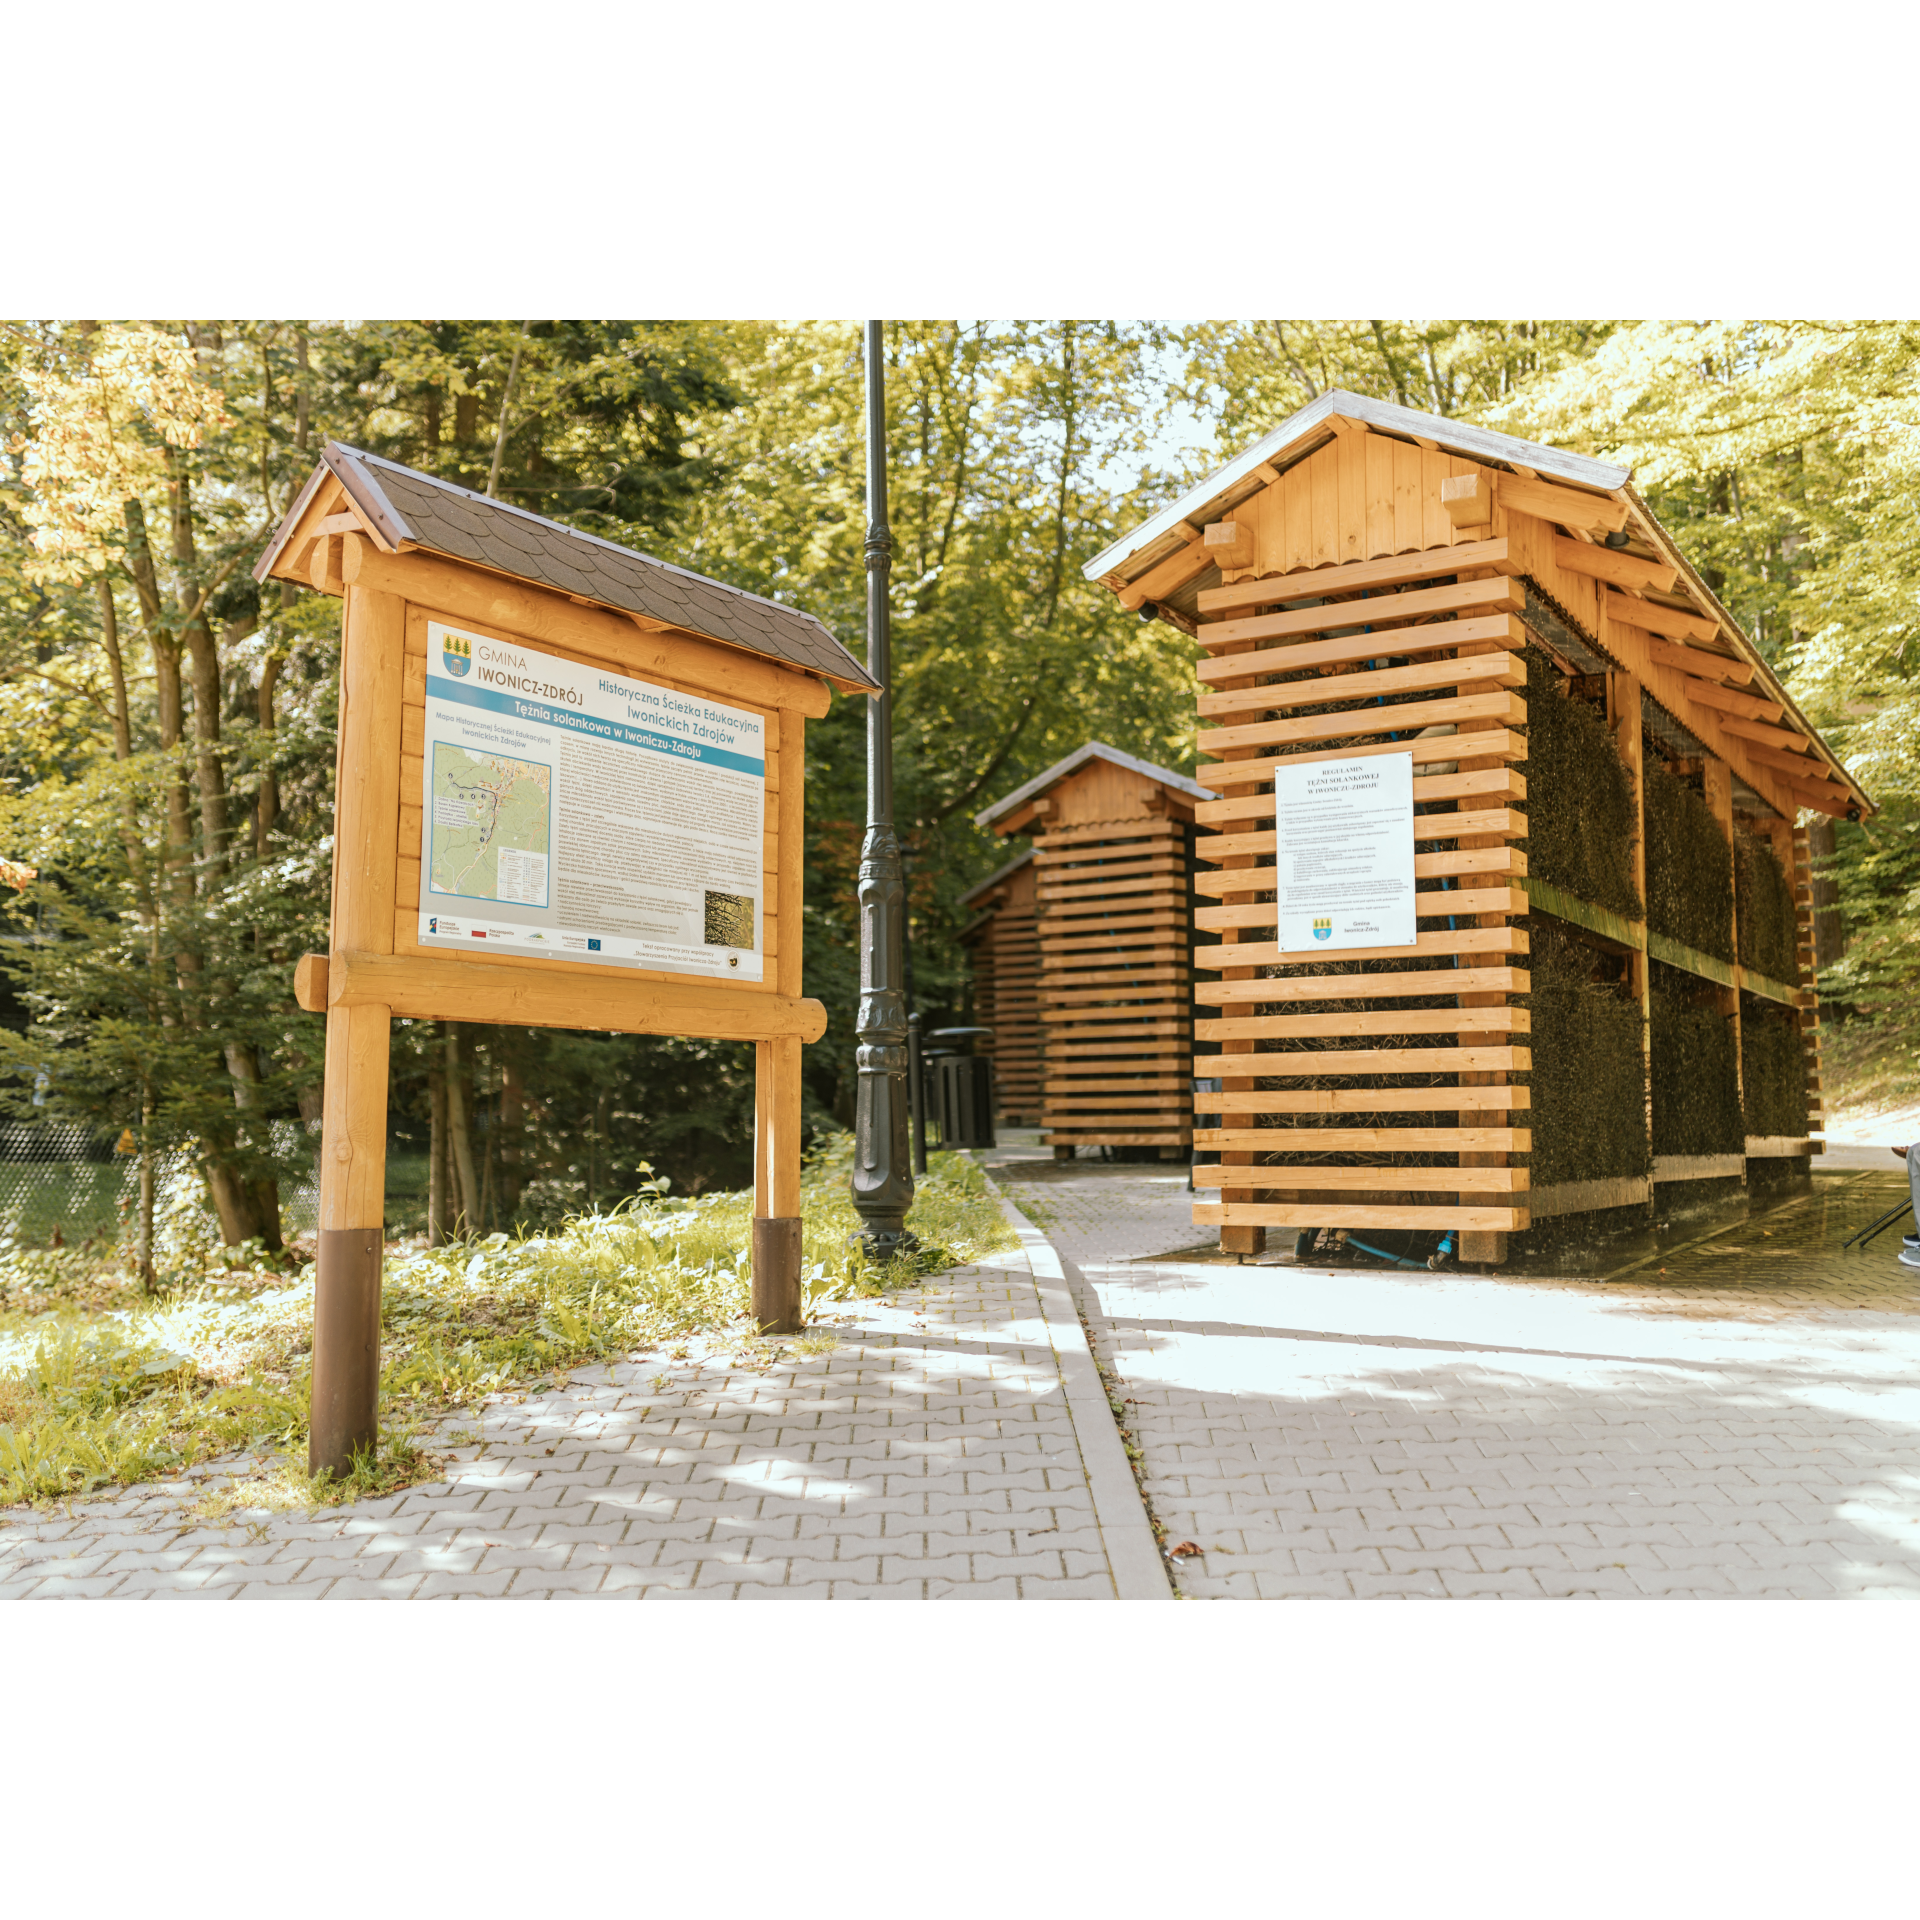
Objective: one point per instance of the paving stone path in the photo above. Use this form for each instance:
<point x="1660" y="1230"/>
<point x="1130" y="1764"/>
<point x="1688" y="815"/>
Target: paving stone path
<point x="954" y="1443"/>
<point x="1741" y="1416"/>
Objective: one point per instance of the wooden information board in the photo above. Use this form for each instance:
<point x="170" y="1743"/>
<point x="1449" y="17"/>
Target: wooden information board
<point x="569" y="793"/>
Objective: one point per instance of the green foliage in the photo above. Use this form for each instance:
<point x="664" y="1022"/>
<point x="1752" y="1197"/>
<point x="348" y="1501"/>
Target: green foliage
<point x="1696" y="1079"/>
<point x="1588" y="1115"/>
<point x="1689" y="868"/>
<point x="1579" y="797"/>
<point x="1764" y="909"/>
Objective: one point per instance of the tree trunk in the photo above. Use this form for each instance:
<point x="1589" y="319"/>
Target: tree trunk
<point x="143" y="1244"/>
<point x="169" y="704"/>
<point x="512" y="1119"/>
<point x="266" y="806"/>
<point x="460" y="1135"/>
<point x="123" y="743"/>
<point x="436" y="1157"/>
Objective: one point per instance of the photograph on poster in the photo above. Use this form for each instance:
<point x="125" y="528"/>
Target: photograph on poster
<point x="578" y="814"/>
<point x="1344" y="856"/>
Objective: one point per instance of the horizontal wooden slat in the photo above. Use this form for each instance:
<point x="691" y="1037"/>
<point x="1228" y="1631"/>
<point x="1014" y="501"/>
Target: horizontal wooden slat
<point x="1363" y="1140"/>
<point x="1426" y="866"/>
<point x="1503" y="669"/>
<point x="1496" y="744"/>
<point x="1426" y="826"/>
<point x="1107" y="830"/>
<point x="1458" y="902"/>
<point x="1707" y="693"/>
<point x="1507" y="708"/>
<point x="1334" y="1065"/>
<point x="433" y="987"/>
<point x="1363" y="1099"/>
<point x="1302" y="1026"/>
<point x="1141" y="1083"/>
<point x="1359" y="986"/>
<point x="1098" y="857"/>
<point x="1369" y="1179"/>
<point x="1392" y="571"/>
<point x="1492" y="783"/>
<point x="1264" y="953"/>
<point x="1105" y="1137"/>
<point x="1465" y="600"/>
<point x="1504" y="630"/>
<point x="1255" y="1213"/>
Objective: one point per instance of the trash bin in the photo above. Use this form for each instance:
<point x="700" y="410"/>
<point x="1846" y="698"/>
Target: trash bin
<point x="961" y="1087"/>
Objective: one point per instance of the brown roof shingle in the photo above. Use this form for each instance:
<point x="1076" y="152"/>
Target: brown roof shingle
<point x="414" y="508"/>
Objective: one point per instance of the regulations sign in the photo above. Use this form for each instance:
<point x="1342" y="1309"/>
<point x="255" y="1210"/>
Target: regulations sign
<point x="1344" y="852"/>
<point x="578" y="815"/>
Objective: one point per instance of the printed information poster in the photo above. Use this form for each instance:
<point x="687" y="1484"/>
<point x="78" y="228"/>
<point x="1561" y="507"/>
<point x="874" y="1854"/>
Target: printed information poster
<point x="572" y="813"/>
<point x="1344" y="852"/>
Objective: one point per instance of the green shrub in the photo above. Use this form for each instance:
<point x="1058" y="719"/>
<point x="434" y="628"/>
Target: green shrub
<point x="1773" y="1058"/>
<point x="1579" y="797"/>
<point x="1589" y="1113"/>
<point x="1696" y="1082"/>
<point x="1689" y="874"/>
<point x="1769" y="929"/>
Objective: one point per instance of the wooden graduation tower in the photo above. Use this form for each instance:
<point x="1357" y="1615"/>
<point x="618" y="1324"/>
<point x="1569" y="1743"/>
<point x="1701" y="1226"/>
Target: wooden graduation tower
<point x="572" y="618"/>
<point x="1112" y="840"/>
<point x="1369" y="580"/>
<point x="1003" y="942"/>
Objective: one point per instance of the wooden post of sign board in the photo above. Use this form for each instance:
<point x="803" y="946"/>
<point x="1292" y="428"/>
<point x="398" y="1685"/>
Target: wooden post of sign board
<point x="353" y="1147"/>
<point x="778" y="1302"/>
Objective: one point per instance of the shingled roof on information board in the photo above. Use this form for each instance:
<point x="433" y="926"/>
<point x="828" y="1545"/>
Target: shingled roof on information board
<point x="407" y="509"/>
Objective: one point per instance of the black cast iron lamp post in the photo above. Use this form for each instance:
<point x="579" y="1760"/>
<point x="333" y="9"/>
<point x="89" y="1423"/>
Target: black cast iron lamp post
<point x="882" y="1175"/>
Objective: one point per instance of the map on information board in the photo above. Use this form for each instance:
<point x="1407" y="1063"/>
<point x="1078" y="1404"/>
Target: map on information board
<point x="491" y="828"/>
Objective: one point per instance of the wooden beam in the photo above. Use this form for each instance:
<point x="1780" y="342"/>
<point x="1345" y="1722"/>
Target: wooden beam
<point x="1781" y="739"/>
<point x="433" y="987"/>
<point x="1172" y="573"/>
<point x="1426" y="826"/>
<point x="1503" y="669"/>
<point x="1381" y="1179"/>
<point x="1596" y="512"/>
<point x="1706" y="694"/>
<point x="1395" y="1020"/>
<point x="1618" y="569"/>
<point x="1369" y="1060"/>
<point x="1504" y="707"/>
<point x="1256" y="1213"/>
<point x="1500" y="595"/>
<point x="1426" y="866"/>
<point x="1492" y="783"/>
<point x="1361" y="986"/>
<point x="1395" y="570"/>
<point x="1366" y="1139"/>
<point x="1229" y="543"/>
<point x="1468" y="500"/>
<point x="1368" y="1100"/>
<point x="1504" y="939"/>
<point x="1652" y="616"/>
<point x="1698" y="664"/>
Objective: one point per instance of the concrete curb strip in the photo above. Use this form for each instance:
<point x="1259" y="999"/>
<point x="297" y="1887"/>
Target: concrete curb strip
<point x="1132" y="1553"/>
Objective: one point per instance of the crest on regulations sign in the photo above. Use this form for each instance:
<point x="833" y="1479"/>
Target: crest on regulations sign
<point x="1323" y="929"/>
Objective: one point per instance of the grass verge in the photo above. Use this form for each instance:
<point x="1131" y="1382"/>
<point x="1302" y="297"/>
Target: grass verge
<point x="97" y="1394"/>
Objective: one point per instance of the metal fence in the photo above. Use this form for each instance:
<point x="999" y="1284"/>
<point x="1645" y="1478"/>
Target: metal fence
<point x="66" y="1185"/>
